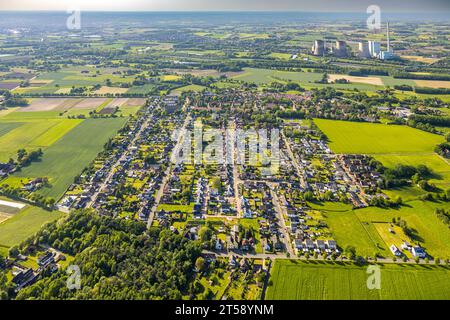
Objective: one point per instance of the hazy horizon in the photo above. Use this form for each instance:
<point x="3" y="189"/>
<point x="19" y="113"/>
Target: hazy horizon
<point x="398" y="6"/>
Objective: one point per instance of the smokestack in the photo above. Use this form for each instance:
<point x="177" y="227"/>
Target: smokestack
<point x="388" y="39"/>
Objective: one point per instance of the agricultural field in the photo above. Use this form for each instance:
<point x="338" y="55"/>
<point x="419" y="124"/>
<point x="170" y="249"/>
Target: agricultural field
<point x="45" y="121"/>
<point x="33" y="134"/>
<point x="8" y="209"/>
<point x="377" y="139"/>
<point x="265" y="76"/>
<point x="66" y="78"/>
<point x="367" y="80"/>
<point x="361" y="228"/>
<point x="294" y="280"/>
<point x="308" y="80"/>
<point x="7" y="127"/>
<point x="433" y="84"/>
<point x="420" y="59"/>
<point x="66" y="158"/>
<point x="281" y="56"/>
<point x="24" y="224"/>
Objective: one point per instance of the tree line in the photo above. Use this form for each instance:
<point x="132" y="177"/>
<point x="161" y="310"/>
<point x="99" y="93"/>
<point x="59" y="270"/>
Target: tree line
<point x="119" y="259"/>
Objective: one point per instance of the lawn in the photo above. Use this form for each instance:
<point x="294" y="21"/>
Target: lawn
<point x="440" y="166"/>
<point x="358" y="228"/>
<point x="24" y="224"/>
<point x="254" y="225"/>
<point x="431" y="233"/>
<point x="192" y="87"/>
<point x="295" y="280"/>
<point x="348" y="230"/>
<point x="66" y="158"/>
<point x="370" y="138"/>
<point x="175" y="207"/>
<point x="142" y="89"/>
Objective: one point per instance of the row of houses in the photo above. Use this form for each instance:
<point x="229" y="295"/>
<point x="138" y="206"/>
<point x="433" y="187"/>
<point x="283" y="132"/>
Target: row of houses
<point x="318" y="246"/>
<point x="6" y="169"/>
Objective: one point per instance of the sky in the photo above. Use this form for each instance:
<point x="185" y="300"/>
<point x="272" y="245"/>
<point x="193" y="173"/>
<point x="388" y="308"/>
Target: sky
<point x="232" y="5"/>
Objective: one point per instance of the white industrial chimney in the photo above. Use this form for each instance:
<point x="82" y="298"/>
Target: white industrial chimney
<point x="388" y="39"/>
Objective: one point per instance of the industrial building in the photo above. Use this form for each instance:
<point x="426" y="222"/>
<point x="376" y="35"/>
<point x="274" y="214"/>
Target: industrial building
<point x="374" y="48"/>
<point x="340" y="50"/>
<point x="389" y="53"/>
<point x="318" y="48"/>
<point x="363" y="50"/>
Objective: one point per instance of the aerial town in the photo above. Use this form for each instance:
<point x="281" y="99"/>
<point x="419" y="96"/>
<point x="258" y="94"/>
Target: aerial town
<point x="233" y="161"/>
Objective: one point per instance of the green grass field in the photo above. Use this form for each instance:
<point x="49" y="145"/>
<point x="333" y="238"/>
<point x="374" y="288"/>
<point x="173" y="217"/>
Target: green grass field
<point x="356" y="227"/>
<point x="305" y="79"/>
<point x="23" y="136"/>
<point x="295" y="280"/>
<point x="192" y="87"/>
<point x="440" y="166"/>
<point x="24" y="224"/>
<point x="370" y="138"/>
<point x="260" y="76"/>
<point x="68" y="77"/>
<point x="8" y="126"/>
<point x="66" y="158"/>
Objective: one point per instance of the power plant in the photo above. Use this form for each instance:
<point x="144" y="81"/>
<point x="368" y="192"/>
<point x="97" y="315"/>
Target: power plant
<point x="389" y="53"/>
<point x="340" y="50"/>
<point x="318" y="48"/>
<point x="372" y="49"/>
<point x="363" y="50"/>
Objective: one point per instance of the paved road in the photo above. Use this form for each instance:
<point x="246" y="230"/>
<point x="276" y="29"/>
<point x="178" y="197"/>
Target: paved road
<point x="236" y="180"/>
<point x="294" y="160"/>
<point x="176" y="150"/>
<point x="280" y="216"/>
<point x="112" y="170"/>
<point x="311" y="258"/>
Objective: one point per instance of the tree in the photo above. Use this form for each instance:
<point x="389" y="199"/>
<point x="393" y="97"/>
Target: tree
<point x="109" y="250"/>
<point x="200" y="264"/>
<point x="308" y="196"/>
<point x="13" y="252"/>
<point x="21" y="153"/>
<point x="205" y="233"/>
<point x="351" y="251"/>
<point x="216" y="183"/>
